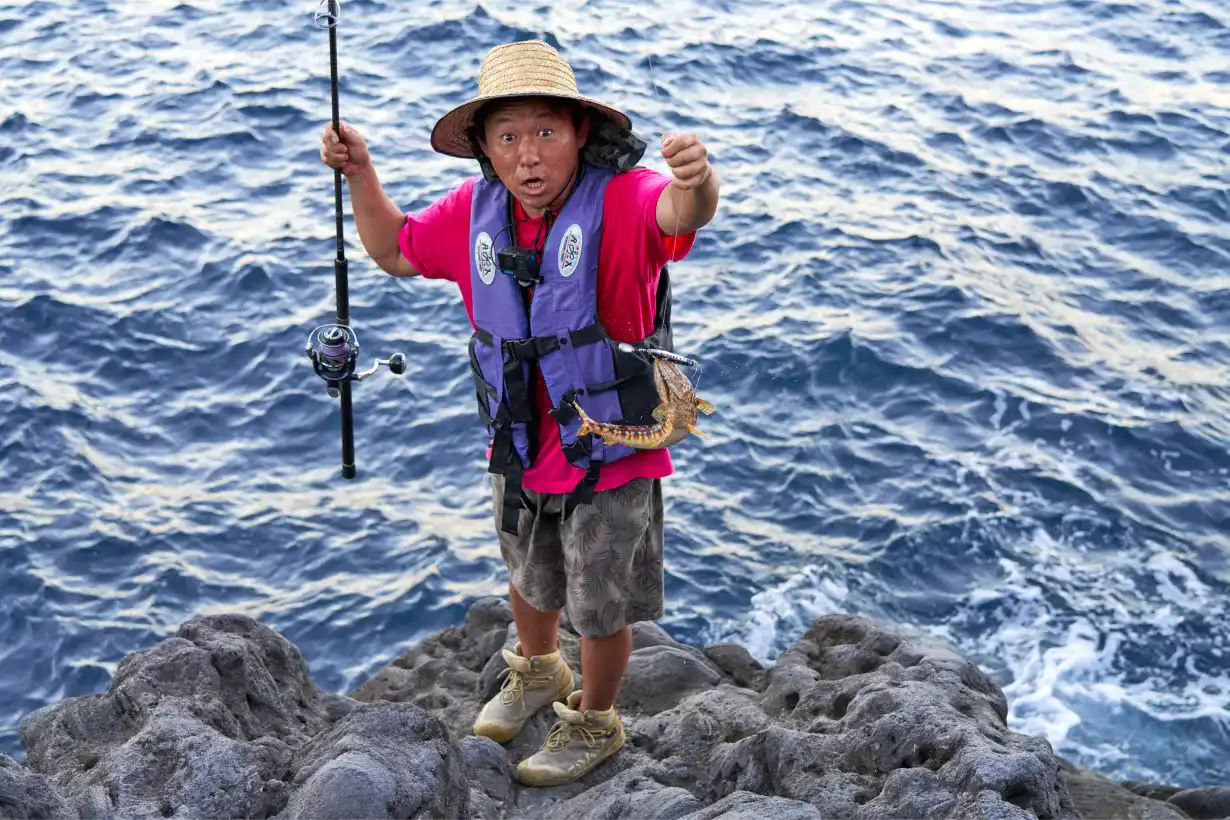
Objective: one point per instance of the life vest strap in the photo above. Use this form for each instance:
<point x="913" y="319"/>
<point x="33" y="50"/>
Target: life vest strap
<point x="527" y="350"/>
<point x="506" y="462"/>
<point x="516" y="392"/>
<point x="535" y="347"/>
<point x="583" y="493"/>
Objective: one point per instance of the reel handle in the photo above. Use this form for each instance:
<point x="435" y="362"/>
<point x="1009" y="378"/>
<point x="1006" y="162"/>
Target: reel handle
<point x="396" y="364"/>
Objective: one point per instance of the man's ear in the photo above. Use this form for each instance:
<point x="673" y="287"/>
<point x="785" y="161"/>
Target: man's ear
<point x="583" y="129"/>
<point x="480" y="154"/>
<point x="478" y="139"/>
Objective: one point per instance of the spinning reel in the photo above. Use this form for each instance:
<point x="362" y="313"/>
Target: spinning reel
<point x="334" y="351"/>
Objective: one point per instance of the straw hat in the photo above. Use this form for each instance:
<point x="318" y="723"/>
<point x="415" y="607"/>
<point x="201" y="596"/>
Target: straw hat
<point x="530" y="68"/>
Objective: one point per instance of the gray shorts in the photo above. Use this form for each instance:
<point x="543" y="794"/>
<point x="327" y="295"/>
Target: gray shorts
<point x="603" y="562"/>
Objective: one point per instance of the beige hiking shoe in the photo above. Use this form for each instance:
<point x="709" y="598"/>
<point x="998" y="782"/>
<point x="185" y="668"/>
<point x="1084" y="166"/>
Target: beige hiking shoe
<point x="529" y="684"/>
<point x="575" y="745"/>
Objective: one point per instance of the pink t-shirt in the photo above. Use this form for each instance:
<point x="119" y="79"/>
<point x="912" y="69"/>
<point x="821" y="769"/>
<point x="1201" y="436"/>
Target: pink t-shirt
<point x="436" y="241"/>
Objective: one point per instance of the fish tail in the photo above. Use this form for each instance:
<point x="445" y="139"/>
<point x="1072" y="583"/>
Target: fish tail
<point x="610" y="433"/>
<point x="588" y="425"/>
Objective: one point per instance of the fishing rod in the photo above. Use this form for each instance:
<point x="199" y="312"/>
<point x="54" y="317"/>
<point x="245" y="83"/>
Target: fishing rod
<point x="334" y="348"/>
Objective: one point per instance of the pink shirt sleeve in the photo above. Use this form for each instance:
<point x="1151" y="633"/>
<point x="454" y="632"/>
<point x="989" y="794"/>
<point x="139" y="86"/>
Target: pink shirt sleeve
<point x="430" y="237"/>
<point x="649" y="185"/>
<point x="632" y="199"/>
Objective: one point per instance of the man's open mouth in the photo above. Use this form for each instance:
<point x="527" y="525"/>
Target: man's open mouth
<point x="533" y="184"/>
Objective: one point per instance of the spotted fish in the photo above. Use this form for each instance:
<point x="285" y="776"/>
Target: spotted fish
<point x="674" y="418"/>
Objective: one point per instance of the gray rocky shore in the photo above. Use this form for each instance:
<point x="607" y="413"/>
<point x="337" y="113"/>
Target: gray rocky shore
<point x="856" y="720"/>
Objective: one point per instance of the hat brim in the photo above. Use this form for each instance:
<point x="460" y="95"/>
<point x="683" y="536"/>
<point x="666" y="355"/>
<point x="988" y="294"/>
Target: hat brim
<point x="451" y="133"/>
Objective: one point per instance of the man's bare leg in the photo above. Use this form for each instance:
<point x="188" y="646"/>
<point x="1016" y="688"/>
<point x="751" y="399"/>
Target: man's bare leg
<point x="537" y="631"/>
<point x="603" y="663"/>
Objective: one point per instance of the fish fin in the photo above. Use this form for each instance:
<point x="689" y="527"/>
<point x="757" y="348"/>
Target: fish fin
<point x="694" y="431"/>
<point x="705" y="407"/>
<point x="659" y="413"/>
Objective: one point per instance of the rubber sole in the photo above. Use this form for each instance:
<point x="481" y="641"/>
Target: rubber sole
<point x="528" y="778"/>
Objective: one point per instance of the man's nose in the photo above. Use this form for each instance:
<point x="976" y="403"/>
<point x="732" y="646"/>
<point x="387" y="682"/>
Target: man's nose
<point x="528" y="154"/>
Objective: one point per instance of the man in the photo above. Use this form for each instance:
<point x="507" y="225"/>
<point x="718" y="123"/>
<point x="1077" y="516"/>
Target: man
<point x="558" y="251"/>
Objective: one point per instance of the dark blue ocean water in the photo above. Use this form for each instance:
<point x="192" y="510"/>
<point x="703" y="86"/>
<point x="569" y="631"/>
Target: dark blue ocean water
<point x="964" y="313"/>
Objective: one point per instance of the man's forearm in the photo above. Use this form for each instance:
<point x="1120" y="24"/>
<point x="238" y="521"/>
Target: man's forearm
<point x="696" y="206"/>
<point x="379" y="220"/>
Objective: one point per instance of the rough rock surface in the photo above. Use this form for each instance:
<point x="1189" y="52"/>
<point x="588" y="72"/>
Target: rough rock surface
<point x="857" y="721"/>
<point x="1204" y="804"/>
<point x="24" y="794"/>
<point x="1097" y="797"/>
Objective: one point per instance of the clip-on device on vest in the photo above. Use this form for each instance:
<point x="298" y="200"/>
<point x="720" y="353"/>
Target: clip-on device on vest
<point x="334" y="349"/>
<point x="521" y="264"/>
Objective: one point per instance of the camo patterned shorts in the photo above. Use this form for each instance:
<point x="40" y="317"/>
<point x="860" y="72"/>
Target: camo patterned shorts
<point x="603" y="562"/>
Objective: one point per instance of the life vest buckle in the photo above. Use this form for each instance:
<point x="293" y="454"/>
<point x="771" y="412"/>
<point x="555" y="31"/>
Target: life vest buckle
<point x="535" y="347"/>
<point x="564" y="412"/>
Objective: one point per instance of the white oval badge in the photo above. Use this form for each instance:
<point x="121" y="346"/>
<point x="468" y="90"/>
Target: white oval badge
<point x="484" y="258"/>
<point x="570" y="250"/>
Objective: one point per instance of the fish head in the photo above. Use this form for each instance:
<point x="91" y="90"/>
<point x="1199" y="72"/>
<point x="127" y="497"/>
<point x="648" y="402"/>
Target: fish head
<point x="674" y="384"/>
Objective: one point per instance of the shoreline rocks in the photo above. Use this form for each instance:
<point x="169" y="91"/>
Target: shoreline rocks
<point x="855" y="720"/>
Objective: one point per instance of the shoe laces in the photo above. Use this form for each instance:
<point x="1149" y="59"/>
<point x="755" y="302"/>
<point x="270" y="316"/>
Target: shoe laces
<point x="563" y="732"/>
<point x="514" y="685"/>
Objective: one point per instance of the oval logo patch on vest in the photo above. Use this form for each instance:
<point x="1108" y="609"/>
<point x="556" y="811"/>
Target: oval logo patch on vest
<point x="484" y="259"/>
<point x="570" y="250"/>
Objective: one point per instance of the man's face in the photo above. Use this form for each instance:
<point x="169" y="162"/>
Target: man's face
<point x="533" y="145"/>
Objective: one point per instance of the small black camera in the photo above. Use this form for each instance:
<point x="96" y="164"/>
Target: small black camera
<point x="521" y="264"/>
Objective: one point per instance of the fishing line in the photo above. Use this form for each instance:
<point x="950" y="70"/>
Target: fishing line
<point x="657" y="96"/>
<point x="700" y="370"/>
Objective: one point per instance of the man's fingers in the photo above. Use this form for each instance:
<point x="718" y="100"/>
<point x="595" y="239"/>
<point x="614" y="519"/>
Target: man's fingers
<point x="330" y="135"/>
<point x="334" y="157"/>
<point x="688" y="159"/>
<point x="694" y="161"/>
<point x="692" y="175"/>
<point x="686" y="156"/>
<point x="673" y="144"/>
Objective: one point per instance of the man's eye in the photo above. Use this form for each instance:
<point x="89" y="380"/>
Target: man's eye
<point x="506" y="137"/>
<point x="545" y="132"/>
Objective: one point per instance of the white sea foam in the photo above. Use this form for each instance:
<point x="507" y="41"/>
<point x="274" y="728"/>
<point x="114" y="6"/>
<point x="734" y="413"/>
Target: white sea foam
<point x="1071" y="666"/>
<point x="1057" y="631"/>
<point x="779" y="614"/>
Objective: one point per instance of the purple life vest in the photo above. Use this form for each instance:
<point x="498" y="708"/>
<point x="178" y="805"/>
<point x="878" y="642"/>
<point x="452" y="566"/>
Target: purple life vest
<point x="560" y="334"/>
